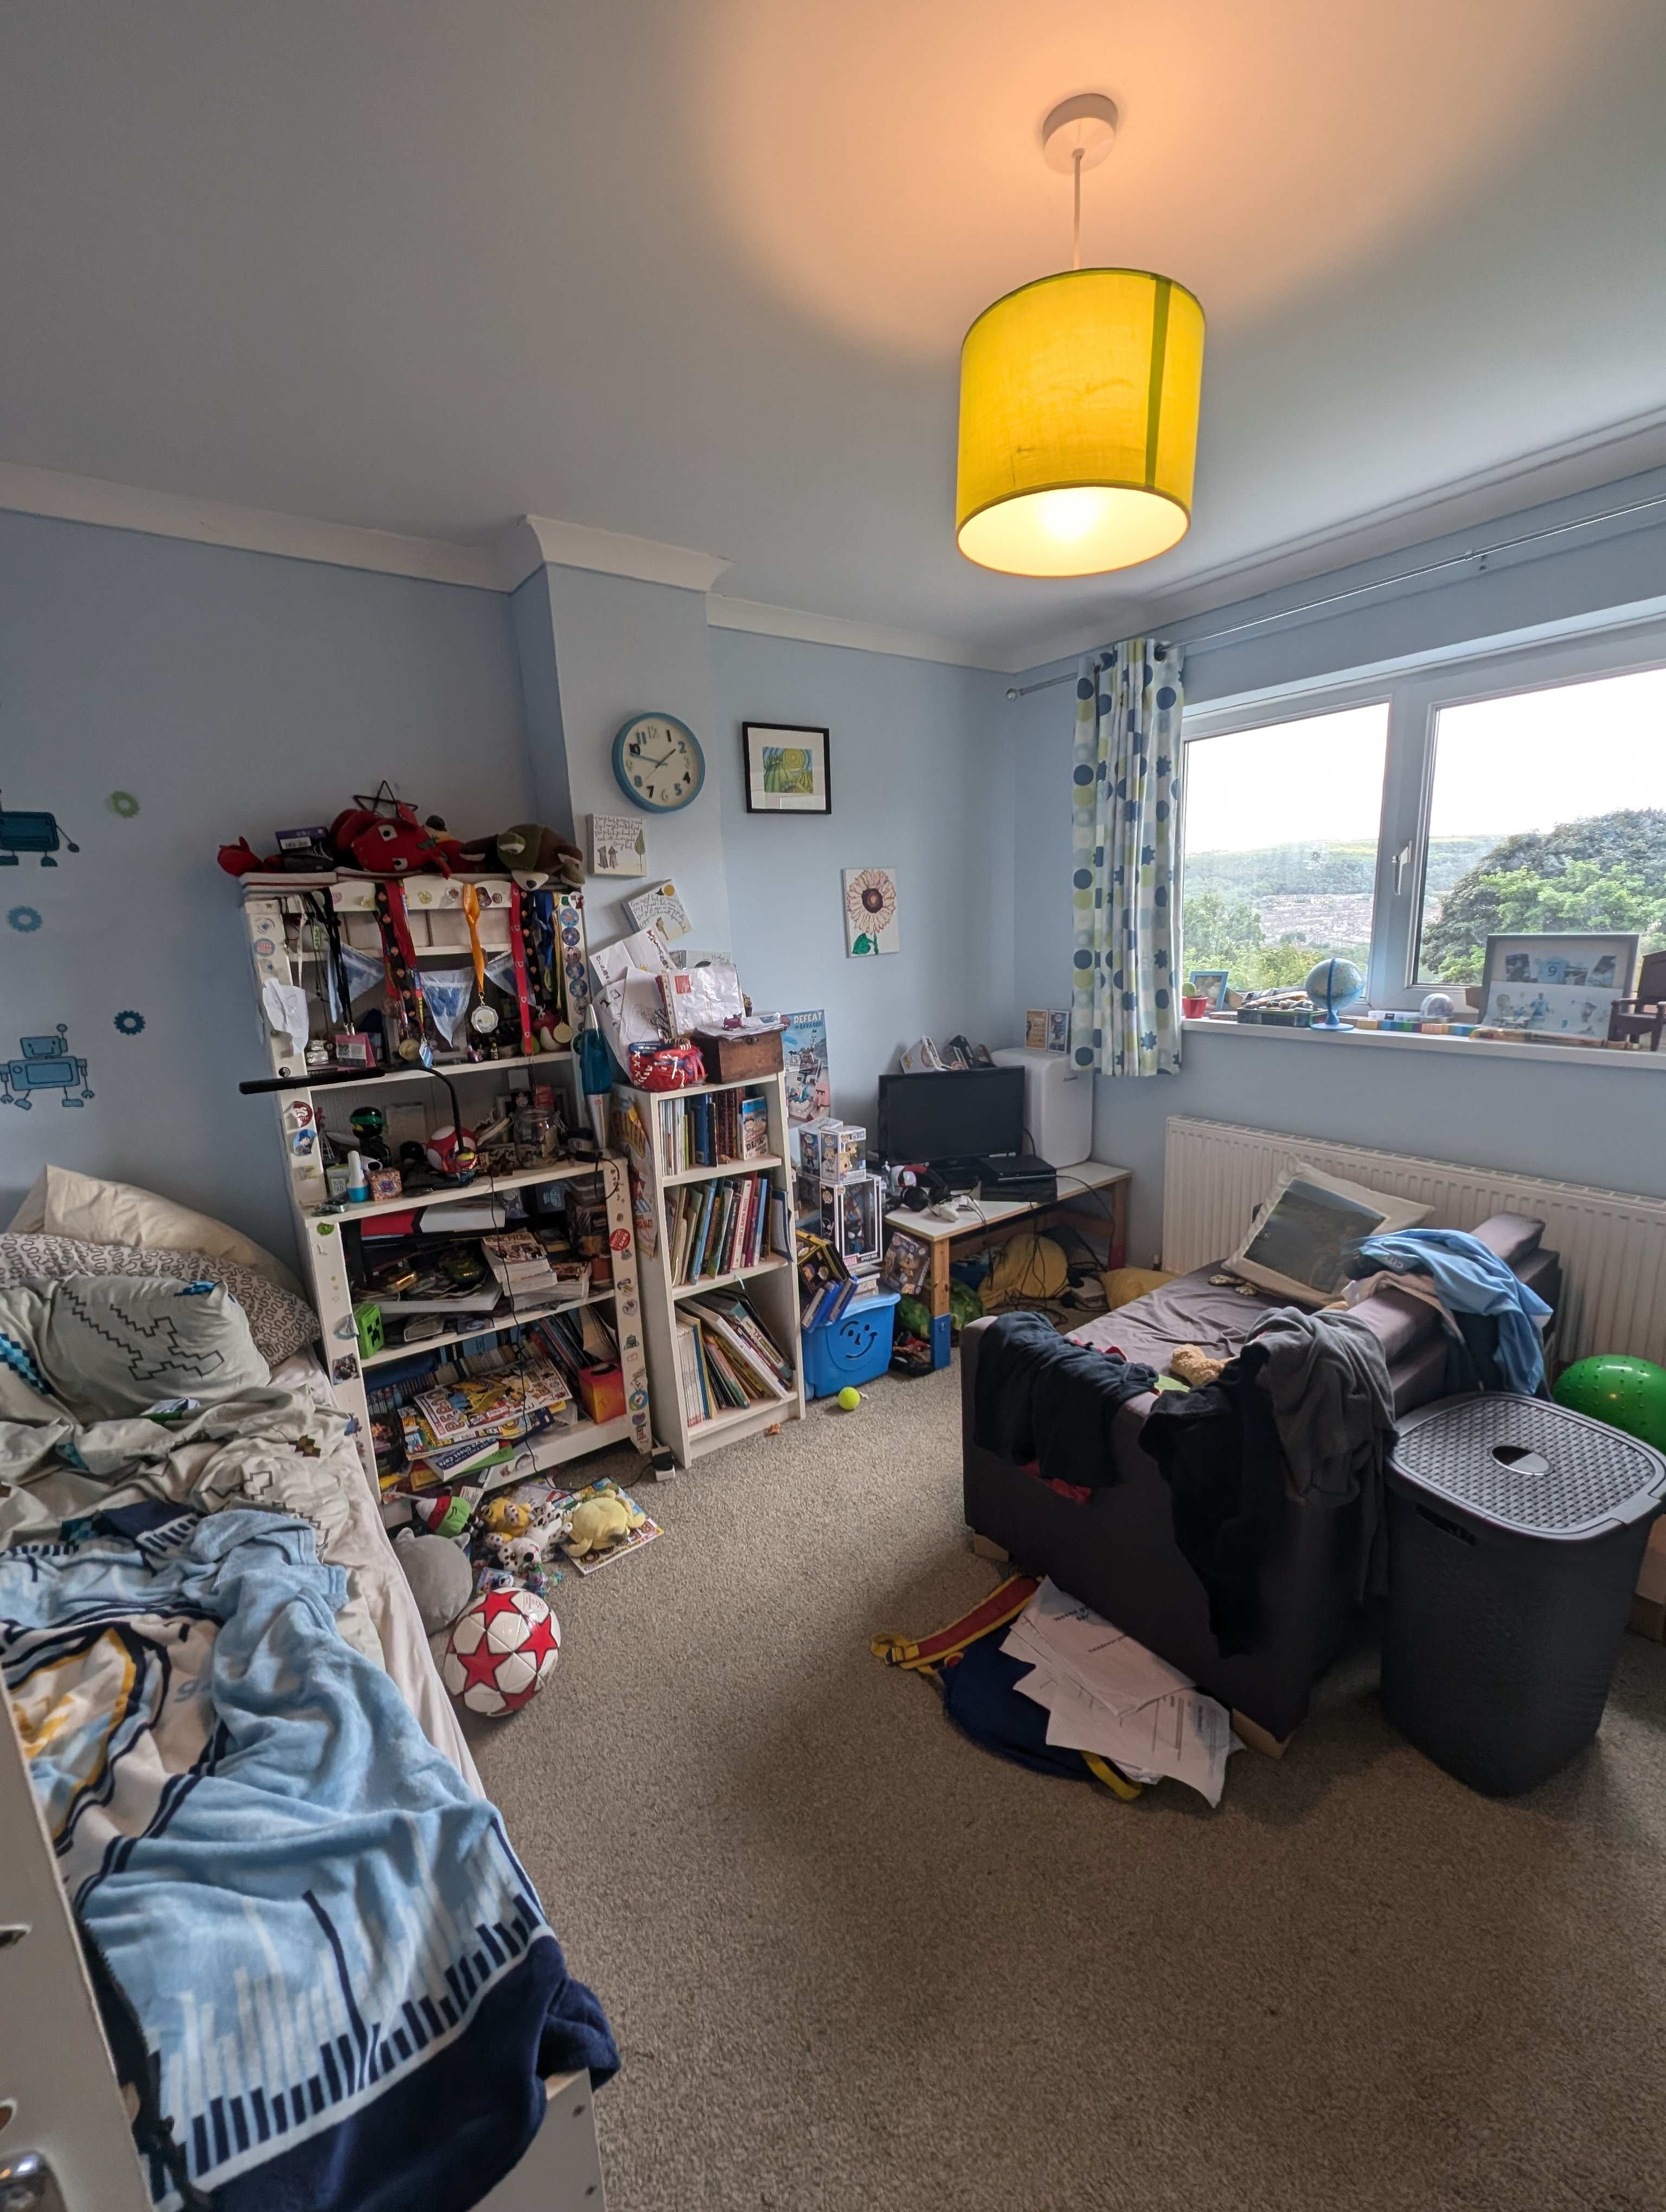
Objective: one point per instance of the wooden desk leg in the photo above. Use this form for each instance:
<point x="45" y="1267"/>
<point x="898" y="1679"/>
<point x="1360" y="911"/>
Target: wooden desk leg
<point x="939" y="1301"/>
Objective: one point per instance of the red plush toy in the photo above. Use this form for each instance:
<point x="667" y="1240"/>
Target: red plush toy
<point x="241" y="858"/>
<point x="382" y="835"/>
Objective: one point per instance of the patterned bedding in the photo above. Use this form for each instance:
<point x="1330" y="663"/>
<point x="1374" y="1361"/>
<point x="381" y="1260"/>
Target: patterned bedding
<point x="333" y="1983"/>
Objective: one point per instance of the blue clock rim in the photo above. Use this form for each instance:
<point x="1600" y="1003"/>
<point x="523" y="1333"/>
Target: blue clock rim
<point x="652" y="805"/>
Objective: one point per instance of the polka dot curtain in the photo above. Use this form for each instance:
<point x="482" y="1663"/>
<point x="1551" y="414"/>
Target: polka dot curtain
<point x="1124" y="790"/>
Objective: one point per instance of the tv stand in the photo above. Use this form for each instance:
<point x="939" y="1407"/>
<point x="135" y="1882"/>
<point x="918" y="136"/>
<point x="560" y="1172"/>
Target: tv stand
<point x="1103" y="1190"/>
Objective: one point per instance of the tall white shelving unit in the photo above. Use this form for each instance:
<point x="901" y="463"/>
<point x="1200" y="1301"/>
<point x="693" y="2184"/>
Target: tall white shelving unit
<point x="772" y="1284"/>
<point x="274" y="916"/>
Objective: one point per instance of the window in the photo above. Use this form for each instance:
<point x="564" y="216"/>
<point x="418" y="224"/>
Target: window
<point x="1399" y="825"/>
<point x="1548" y="811"/>
<point x="1278" y="846"/>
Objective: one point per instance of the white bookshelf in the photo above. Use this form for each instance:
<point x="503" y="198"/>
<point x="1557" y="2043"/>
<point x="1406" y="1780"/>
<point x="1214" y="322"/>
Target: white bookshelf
<point x="271" y="911"/>
<point x="771" y="1284"/>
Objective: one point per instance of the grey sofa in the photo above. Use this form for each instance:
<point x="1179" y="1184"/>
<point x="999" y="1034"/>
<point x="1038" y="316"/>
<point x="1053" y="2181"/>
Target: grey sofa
<point x="1117" y="1552"/>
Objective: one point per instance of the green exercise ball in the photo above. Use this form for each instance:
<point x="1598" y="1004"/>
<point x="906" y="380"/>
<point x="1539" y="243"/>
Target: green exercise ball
<point x="1628" y="1394"/>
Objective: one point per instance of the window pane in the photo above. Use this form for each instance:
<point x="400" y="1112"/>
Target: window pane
<point x="1280" y="839"/>
<point x="1549" y="812"/>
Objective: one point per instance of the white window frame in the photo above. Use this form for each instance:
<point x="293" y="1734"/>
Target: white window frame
<point x="1415" y="696"/>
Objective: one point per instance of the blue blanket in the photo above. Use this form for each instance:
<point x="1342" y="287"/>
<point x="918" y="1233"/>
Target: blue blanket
<point x="324" y="1935"/>
<point x="1470" y="1278"/>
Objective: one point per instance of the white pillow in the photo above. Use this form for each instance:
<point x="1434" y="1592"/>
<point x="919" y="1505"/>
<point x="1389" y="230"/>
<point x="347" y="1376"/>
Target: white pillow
<point x="1302" y="1238"/>
<point x="62" y="1203"/>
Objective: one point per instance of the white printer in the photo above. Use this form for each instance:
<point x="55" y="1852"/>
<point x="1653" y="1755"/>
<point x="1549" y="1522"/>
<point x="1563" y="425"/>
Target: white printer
<point x="1058" y="1104"/>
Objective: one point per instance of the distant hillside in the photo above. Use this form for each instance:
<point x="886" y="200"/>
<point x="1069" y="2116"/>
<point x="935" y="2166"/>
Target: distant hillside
<point x="1289" y="871"/>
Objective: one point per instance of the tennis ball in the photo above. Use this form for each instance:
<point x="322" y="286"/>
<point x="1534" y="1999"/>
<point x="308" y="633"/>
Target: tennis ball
<point x="849" y="1398"/>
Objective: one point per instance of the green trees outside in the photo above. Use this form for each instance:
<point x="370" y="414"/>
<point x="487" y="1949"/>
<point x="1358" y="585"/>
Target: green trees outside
<point x="1605" y="872"/>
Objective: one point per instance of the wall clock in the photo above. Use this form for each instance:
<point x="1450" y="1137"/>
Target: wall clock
<point x="658" y="762"/>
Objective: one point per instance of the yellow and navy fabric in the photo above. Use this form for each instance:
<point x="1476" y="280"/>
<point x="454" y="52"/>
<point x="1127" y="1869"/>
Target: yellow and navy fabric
<point x="1124" y="851"/>
<point x="980" y="1688"/>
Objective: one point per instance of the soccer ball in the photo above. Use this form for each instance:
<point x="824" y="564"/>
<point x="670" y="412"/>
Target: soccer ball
<point x="501" y="1651"/>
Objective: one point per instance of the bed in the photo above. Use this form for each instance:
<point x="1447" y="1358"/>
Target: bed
<point x="209" y="1643"/>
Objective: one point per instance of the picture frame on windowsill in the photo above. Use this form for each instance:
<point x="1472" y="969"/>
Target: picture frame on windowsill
<point x="1556" y="982"/>
<point x="787" y="768"/>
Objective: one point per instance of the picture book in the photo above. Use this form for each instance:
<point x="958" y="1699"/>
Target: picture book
<point x="633" y="1541"/>
<point x="804" y="1047"/>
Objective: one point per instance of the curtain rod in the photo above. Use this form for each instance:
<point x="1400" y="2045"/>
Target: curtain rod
<point x="1382" y="584"/>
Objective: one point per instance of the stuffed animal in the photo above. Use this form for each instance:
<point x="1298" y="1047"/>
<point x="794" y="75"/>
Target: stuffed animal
<point x="521" y="1553"/>
<point x="440" y="1578"/>
<point x="1193" y="1367"/>
<point x="599" y="1523"/>
<point x="529" y="849"/>
<point x="442" y="1513"/>
<point x="506" y="1516"/>
<point x="385" y="838"/>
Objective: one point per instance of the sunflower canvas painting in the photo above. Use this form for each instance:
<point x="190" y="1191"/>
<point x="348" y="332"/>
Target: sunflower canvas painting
<point x="870" y="911"/>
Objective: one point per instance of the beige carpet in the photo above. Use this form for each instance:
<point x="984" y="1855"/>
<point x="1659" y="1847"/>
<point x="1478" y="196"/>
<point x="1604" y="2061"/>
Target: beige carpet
<point x="853" y="1962"/>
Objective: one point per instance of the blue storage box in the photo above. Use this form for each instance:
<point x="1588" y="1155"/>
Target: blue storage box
<point x="855" y="1348"/>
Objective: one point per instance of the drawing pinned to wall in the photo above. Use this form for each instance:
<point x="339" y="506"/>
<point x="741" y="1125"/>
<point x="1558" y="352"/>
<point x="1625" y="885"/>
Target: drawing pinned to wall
<point x="122" y="803"/>
<point x="128" y="1023"/>
<point x="31" y="830"/>
<point x="25" y="919"/>
<point x="803" y="1057"/>
<point x="46" y="1065"/>
<point x="617" y="846"/>
<point x="870" y="912"/>
<point x="661" y="904"/>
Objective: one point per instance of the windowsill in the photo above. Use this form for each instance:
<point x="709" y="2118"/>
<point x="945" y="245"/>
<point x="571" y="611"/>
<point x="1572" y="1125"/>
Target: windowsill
<point x="1561" y="1056"/>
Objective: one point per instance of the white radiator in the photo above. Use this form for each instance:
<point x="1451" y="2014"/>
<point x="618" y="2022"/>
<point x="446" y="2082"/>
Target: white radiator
<point x="1613" y="1245"/>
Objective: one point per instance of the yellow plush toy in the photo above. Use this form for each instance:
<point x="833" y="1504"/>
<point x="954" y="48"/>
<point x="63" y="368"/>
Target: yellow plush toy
<point x="506" y="1516"/>
<point x="599" y="1523"/>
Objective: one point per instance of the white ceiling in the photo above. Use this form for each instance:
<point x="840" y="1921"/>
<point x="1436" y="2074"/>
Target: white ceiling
<point x="698" y="270"/>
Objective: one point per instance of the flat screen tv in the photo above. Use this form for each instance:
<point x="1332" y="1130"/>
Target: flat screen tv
<point x="962" y="1114"/>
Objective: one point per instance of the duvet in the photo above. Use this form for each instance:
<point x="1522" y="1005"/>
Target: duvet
<point x="326" y="1977"/>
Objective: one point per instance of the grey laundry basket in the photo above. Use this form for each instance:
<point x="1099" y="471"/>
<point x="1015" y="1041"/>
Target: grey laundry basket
<point x="1516" y="1532"/>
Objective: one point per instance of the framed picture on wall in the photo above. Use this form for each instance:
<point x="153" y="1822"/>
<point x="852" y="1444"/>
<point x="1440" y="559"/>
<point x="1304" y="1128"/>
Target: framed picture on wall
<point x="787" y="770"/>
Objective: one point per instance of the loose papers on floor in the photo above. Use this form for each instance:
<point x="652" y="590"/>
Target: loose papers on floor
<point x="1107" y="1694"/>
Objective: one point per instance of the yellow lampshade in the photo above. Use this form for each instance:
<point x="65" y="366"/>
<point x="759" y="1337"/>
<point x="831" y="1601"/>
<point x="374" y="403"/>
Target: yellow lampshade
<point x="1078" y="407"/>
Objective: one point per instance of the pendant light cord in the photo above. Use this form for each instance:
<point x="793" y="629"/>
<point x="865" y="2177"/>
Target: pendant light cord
<point x="1076" y="221"/>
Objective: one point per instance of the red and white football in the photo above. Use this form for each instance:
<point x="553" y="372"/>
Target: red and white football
<point x="501" y="1651"/>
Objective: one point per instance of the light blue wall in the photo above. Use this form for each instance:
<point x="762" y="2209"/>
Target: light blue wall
<point x="1566" y="1119"/>
<point x="229" y="692"/>
<point x="622" y="648"/>
<point x="920" y="783"/>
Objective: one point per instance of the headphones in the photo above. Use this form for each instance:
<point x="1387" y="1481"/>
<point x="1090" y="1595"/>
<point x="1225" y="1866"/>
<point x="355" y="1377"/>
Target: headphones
<point x="916" y="1188"/>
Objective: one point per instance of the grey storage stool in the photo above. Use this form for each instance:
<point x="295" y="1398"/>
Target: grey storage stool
<point x="1516" y="1532"/>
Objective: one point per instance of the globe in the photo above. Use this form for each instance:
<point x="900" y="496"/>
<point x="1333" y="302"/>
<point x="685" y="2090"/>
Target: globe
<point x="1331" y="984"/>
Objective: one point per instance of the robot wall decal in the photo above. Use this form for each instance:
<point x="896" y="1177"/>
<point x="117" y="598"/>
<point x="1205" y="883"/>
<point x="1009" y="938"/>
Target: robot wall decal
<point x="31" y="830"/>
<point x="46" y="1066"/>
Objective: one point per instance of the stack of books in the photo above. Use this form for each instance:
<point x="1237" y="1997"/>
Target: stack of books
<point x="521" y="1267"/>
<point x="585" y="1350"/>
<point x="712" y="1127"/>
<point x="477" y="1407"/>
<point x="715" y="1228"/>
<point x="726" y="1359"/>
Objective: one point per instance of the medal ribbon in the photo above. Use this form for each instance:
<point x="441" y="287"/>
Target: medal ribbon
<point x="400" y="957"/>
<point x="523" y="989"/>
<point x="472" y="913"/>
